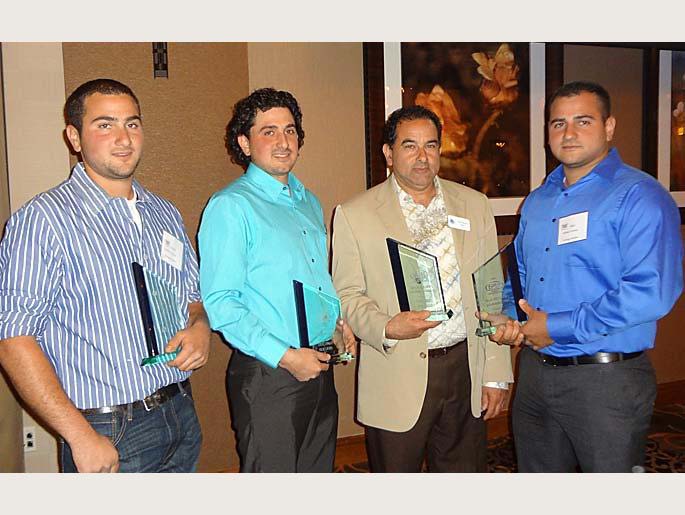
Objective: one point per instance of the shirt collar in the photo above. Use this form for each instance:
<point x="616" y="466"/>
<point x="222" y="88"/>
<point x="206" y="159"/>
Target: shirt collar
<point x="271" y="186"/>
<point x="605" y="169"/>
<point x="93" y="196"/>
<point x="406" y="197"/>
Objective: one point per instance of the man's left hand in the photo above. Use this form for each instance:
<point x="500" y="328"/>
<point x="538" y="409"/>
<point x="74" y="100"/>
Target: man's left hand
<point x="193" y="340"/>
<point x="492" y="401"/>
<point x="535" y="329"/>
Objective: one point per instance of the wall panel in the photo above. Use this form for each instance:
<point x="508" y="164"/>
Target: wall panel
<point x="184" y="160"/>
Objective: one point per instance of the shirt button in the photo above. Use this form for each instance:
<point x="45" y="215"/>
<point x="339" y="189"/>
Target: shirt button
<point x="565" y="194"/>
<point x="312" y="260"/>
<point x="304" y="232"/>
<point x="546" y="249"/>
<point x="542" y="279"/>
<point x="319" y="288"/>
<point x="554" y="219"/>
<point x="422" y="355"/>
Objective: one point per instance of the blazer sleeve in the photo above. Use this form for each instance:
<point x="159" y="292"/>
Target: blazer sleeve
<point x="497" y="357"/>
<point x="362" y="313"/>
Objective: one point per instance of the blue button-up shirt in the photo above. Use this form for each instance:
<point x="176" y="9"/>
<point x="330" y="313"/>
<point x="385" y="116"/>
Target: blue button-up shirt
<point x="66" y="279"/>
<point x="257" y="235"/>
<point x="606" y="292"/>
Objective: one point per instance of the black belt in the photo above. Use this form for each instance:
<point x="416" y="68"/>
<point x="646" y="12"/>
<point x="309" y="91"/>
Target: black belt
<point x="149" y="403"/>
<point x="591" y="359"/>
<point x="441" y="351"/>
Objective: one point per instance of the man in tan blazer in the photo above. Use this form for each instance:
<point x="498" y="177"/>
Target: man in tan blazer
<point x="422" y="385"/>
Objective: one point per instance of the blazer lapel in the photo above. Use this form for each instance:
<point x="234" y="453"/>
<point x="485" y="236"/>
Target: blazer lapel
<point x="456" y="207"/>
<point x="390" y="213"/>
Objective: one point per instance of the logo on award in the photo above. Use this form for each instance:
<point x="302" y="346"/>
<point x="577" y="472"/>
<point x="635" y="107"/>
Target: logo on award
<point x="493" y="286"/>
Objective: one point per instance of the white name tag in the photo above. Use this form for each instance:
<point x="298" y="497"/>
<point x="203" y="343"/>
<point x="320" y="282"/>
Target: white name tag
<point x="456" y="222"/>
<point x="172" y="250"/>
<point x="572" y="228"/>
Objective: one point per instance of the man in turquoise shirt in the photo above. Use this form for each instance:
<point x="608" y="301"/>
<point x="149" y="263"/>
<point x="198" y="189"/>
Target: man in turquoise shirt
<point x="257" y="235"/>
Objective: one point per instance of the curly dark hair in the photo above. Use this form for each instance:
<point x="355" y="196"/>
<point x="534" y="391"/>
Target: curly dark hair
<point x="406" y="114"/>
<point x="245" y="111"/>
<point x="572" y="89"/>
<point x="75" y="105"/>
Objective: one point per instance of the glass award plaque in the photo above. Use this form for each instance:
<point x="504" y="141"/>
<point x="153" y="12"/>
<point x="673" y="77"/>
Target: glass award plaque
<point x="160" y="313"/>
<point x="317" y="318"/>
<point x="497" y="285"/>
<point x="417" y="280"/>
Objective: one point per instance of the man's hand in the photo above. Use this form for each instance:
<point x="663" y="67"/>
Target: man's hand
<point x="193" y="340"/>
<point x="304" y="364"/>
<point x="406" y="325"/>
<point x="535" y="329"/>
<point x="492" y="401"/>
<point x="94" y="453"/>
<point x="349" y="340"/>
<point x="508" y="330"/>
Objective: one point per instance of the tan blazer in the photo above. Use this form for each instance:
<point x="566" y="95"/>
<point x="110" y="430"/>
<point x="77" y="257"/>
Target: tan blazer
<point x="392" y="384"/>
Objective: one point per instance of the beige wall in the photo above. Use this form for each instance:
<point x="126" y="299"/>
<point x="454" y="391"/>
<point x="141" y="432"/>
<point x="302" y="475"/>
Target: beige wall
<point x="37" y="158"/>
<point x="184" y="160"/>
<point x="11" y="450"/>
<point x="327" y="80"/>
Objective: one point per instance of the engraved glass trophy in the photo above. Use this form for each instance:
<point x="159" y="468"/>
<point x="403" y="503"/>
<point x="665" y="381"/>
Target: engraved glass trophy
<point x="317" y="318"/>
<point x="497" y="285"/>
<point x="417" y="280"/>
<point x="160" y="312"/>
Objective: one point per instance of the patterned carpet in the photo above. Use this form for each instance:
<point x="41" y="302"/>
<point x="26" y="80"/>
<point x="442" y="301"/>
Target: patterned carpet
<point x="665" y="446"/>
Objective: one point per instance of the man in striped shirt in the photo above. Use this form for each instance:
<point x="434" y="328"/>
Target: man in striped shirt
<point x="72" y="339"/>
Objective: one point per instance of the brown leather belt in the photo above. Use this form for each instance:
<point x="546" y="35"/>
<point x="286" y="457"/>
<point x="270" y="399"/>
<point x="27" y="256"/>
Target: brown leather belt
<point x="441" y="351"/>
<point x="152" y="401"/>
<point x="587" y="359"/>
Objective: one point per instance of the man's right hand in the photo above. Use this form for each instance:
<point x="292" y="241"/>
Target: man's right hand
<point x="406" y="325"/>
<point x="508" y="330"/>
<point x="304" y="364"/>
<point x="95" y="453"/>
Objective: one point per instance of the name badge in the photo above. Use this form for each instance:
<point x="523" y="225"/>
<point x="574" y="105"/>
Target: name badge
<point x="572" y="228"/>
<point x="457" y="222"/>
<point x="172" y="250"/>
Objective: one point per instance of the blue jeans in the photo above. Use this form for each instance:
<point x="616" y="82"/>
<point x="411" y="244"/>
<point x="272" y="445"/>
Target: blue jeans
<point x="165" y="439"/>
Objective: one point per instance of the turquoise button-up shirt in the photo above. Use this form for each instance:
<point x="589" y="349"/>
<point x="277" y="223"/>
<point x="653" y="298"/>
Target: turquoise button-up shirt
<point x="256" y="236"/>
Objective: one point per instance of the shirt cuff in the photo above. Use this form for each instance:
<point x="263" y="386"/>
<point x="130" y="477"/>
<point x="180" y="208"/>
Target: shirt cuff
<point x="388" y="344"/>
<point x="271" y="351"/>
<point x="560" y="327"/>
<point x="502" y="385"/>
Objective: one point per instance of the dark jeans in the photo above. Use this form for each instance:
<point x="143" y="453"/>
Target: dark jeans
<point x="280" y="423"/>
<point x="592" y="416"/>
<point x="446" y="434"/>
<point x="165" y="439"/>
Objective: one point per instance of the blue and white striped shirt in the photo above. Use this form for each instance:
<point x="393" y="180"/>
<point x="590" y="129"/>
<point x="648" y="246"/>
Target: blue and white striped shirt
<point x="66" y="279"/>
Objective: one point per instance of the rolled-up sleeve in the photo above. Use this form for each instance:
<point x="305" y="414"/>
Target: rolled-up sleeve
<point x="30" y="274"/>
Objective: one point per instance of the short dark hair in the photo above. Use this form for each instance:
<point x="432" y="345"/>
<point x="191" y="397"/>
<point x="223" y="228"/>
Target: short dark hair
<point x="245" y="111"/>
<point x="571" y="89"/>
<point x="75" y="105"/>
<point x="405" y="114"/>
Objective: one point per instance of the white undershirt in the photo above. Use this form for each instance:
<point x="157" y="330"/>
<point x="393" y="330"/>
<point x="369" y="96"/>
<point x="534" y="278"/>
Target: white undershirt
<point x="135" y="214"/>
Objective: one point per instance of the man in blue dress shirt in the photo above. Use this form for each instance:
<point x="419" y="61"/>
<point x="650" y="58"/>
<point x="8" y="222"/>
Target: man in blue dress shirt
<point x="72" y="336"/>
<point x="257" y="235"/>
<point x="600" y="255"/>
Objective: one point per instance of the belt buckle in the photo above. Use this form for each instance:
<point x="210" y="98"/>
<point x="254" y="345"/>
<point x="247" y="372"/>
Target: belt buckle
<point x="154" y="399"/>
